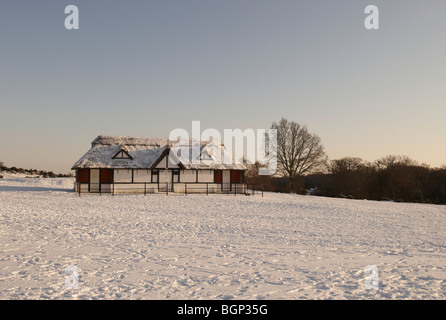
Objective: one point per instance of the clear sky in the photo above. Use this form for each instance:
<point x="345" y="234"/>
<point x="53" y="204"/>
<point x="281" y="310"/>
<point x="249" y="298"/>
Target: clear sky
<point x="143" y="68"/>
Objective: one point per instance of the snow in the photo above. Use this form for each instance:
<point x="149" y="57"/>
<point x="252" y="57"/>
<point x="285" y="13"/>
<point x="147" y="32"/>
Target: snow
<point x="280" y="246"/>
<point x="146" y="151"/>
<point x="101" y="156"/>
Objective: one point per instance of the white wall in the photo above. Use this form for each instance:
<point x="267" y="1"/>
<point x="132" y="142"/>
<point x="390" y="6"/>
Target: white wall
<point x="188" y="176"/>
<point x="162" y="163"/>
<point x="135" y="188"/>
<point x="165" y="176"/>
<point x="206" y="176"/>
<point x="94" y="176"/>
<point x="94" y="180"/>
<point x="171" y="164"/>
<point x="226" y="178"/>
<point x="142" y="175"/>
<point x="84" y="187"/>
<point x="106" y="188"/>
<point x="199" y="188"/>
<point x="123" y="175"/>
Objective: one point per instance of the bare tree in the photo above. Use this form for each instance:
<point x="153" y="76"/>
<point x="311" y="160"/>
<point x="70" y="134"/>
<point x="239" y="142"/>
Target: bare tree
<point x="349" y="176"/>
<point x="394" y="160"/>
<point x="345" y="164"/>
<point x="298" y="151"/>
<point x="252" y="176"/>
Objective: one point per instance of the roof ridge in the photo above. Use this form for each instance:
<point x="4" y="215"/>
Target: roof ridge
<point x="141" y="141"/>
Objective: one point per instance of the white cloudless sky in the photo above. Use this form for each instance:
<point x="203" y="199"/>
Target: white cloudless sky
<point x="143" y="68"/>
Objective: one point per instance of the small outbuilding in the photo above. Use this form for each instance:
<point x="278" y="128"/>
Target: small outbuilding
<point x="151" y="165"/>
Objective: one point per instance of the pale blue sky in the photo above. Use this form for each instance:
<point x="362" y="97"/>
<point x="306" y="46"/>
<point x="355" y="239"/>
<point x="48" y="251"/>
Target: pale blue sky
<point x="143" y="68"/>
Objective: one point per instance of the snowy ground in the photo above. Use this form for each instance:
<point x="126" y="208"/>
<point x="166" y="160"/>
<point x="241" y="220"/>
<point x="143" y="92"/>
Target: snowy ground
<point x="214" y="247"/>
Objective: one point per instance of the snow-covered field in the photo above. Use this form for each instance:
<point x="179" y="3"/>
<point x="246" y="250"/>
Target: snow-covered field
<point x="214" y="247"/>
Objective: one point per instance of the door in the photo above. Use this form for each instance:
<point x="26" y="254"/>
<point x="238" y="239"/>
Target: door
<point x="175" y="176"/>
<point x="106" y="180"/>
<point x="236" y="176"/>
<point x="217" y="176"/>
<point x="164" y="178"/>
<point x="106" y="176"/>
<point x="83" y="175"/>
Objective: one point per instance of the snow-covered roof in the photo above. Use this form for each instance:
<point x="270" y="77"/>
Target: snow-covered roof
<point x="146" y="153"/>
<point x="129" y="141"/>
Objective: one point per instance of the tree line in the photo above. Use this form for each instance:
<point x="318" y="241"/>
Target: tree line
<point x="396" y="178"/>
<point x="42" y="173"/>
<point x="304" y="168"/>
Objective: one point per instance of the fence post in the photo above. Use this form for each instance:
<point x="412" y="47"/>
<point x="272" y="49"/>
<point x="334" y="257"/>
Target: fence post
<point x="145" y="188"/>
<point x="262" y="190"/>
<point x="207" y="188"/>
<point x="167" y="188"/>
<point x="235" y="187"/>
<point x="185" y="188"/>
<point x="79" y="189"/>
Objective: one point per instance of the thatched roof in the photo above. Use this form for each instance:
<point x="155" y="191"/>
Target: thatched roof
<point x="146" y="153"/>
